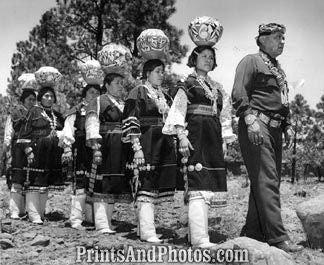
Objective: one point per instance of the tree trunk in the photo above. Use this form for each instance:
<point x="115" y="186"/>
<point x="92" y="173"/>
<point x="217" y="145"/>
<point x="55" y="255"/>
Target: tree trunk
<point x="293" y="165"/>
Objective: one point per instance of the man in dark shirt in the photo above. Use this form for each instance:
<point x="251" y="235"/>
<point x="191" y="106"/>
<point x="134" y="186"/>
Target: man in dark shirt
<point x="260" y="98"/>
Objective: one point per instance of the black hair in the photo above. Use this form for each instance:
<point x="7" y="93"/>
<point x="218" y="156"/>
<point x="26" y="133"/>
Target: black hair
<point x="87" y="87"/>
<point x="192" y="60"/>
<point x="43" y="91"/>
<point x="150" y="65"/>
<point x="26" y="93"/>
<point x="110" y="77"/>
<point x="258" y="42"/>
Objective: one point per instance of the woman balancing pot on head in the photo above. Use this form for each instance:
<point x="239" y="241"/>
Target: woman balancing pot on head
<point x="73" y="141"/>
<point x="39" y="136"/>
<point x="107" y="181"/>
<point x="15" y="122"/>
<point x="153" y="160"/>
<point x="194" y="117"/>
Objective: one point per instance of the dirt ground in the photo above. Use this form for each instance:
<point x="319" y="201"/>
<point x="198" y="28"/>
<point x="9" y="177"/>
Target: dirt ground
<point x="224" y="223"/>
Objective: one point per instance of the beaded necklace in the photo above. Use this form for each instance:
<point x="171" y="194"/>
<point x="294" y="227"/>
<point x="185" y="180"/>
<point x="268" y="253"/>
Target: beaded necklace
<point x="83" y="109"/>
<point x="120" y="104"/>
<point x="210" y="90"/>
<point x="280" y="75"/>
<point x="158" y="98"/>
<point x="52" y="121"/>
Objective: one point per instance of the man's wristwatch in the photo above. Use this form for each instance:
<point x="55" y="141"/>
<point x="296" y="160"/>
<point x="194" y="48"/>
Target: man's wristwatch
<point x="249" y="119"/>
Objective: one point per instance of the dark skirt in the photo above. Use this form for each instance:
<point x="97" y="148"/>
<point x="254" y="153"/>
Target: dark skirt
<point x="19" y="163"/>
<point x="206" y="166"/>
<point x="157" y="178"/>
<point x="46" y="170"/>
<point x="82" y="161"/>
<point x="108" y="181"/>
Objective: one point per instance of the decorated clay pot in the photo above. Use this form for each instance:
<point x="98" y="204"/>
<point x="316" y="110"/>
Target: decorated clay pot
<point x="205" y="31"/>
<point x="27" y="81"/>
<point x="153" y="44"/>
<point x="115" y="58"/>
<point x="91" y="72"/>
<point x="47" y="76"/>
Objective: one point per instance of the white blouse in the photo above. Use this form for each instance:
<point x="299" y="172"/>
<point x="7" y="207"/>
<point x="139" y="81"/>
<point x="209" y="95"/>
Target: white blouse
<point x="177" y="114"/>
<point x="66" y="137"/>
<point x="8" y="131"/>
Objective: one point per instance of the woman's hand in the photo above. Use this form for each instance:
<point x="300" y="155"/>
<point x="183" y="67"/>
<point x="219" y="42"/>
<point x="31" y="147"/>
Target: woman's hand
<point x="97" y="157"/>
<point x="30" y="158"/>
<point x="185" y="146"/>
<point x="139" y="158"/>
<point x="29" y="154"/>
<point x="93" y="144"/>
<point x="67" y="155"/>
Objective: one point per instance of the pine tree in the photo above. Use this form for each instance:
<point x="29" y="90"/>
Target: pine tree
<point x="75" y="30"/>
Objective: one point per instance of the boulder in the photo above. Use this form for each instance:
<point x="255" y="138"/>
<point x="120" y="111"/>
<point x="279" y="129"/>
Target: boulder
<point x="6" y="243"/>
<point x="40" y="240"/>
<point x="6" y="236"/>
<point x="29" y="235"/>
<point x="311" y="214"/>
<point x="256" y="253"/>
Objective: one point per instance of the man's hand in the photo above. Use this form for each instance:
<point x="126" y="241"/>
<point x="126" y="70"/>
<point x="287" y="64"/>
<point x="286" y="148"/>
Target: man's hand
<point x="254" y="133"/>
<point x="289" y="136"/>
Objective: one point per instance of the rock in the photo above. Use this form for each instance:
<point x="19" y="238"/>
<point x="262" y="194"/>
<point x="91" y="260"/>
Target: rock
<point x="40" y="240"/>
<point x="6" y="243"/>
<point x="29" y="235"/>
<point x="8" y="227"/>
<point x="60" y="241"/>
<point x="31" y="254"/>
<point x="5" y="256"/>
<point x="258" y="253"/>
<point x="6" y="236"/>
<point x="311" y="214"/>
<point x="300" y="193"/>
<point x="38" y="250"/>
<point x="6" y="221"/>
<point x="71" y="244"/>
<point x="87" y="243"/>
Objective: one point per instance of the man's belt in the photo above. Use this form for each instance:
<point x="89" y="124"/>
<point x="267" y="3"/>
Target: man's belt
<point x="201" y="110"/>
<point x="148" y="121"/>
<point x="275" y="123"/>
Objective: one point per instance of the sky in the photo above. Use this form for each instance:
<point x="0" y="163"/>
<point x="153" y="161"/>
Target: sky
<point x="302" y="58"/>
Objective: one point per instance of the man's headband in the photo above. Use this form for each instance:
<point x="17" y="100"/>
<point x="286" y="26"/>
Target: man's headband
<point x="267" y="29"/>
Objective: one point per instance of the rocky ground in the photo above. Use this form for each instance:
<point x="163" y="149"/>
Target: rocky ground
<point x="55" y="243"/>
